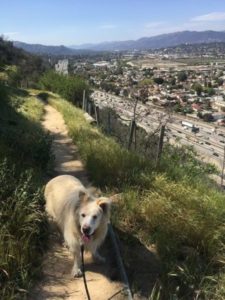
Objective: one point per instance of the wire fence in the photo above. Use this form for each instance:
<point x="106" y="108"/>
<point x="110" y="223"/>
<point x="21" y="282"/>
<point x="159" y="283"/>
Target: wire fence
<point x="128" y="132"/>
<point x="149" y="142"/>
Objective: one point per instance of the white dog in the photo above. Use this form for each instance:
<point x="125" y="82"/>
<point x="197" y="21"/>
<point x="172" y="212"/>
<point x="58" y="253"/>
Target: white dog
<point x="82" y="218"/>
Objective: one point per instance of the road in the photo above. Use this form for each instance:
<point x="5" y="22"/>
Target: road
<point x="209" y="142"/>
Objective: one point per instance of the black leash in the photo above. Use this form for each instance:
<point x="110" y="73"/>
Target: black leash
<point x="83" y="271"/>
<point x="85" y="281"/>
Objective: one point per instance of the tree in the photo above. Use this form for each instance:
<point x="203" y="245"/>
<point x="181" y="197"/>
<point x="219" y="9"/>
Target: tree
<point x="188" y="110"/>
<point x="173" y="81"/>
<point x="182" y="76"/>
<point x="69" y="87"/>
<point x="125" y="93"/>
<point x="148" y="72"/>
<point x="145" y="82"/>
<point x="118" y="71"/>
<point x="208" y="117"/>
<point x="158" y="80"/>
<point x="210" y="91"/>
<point x="220" y="81"/>
<point x="197" y="87"/>
<point x="144" y="95"/>
<point x="199" y="115"/>
<point x="177" y="107"/>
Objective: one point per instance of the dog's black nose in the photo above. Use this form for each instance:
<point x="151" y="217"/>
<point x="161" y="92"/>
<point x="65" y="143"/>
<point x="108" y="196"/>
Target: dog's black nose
<point x="86" y="230"/>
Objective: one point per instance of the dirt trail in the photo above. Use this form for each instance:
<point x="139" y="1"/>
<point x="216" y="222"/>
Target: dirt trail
<point x="57" y="282"/>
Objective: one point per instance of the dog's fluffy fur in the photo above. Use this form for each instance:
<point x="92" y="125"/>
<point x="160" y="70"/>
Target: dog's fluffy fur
<point x="82" y="218"/>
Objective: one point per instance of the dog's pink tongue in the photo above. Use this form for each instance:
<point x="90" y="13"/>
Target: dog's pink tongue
<point x="85" y="238"/>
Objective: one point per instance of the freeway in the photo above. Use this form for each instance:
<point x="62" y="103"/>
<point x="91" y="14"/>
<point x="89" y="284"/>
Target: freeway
<point x="209" y="142"/>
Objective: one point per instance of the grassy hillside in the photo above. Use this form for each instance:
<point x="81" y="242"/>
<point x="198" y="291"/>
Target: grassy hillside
<point x="174" y="207"/>
<point x="22" y="68"/>
<point x="24" y="160"/>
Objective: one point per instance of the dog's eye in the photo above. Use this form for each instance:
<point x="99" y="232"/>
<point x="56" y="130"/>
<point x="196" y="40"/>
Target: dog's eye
<point x="94" y="217"/>
<point x="82" y="215"/>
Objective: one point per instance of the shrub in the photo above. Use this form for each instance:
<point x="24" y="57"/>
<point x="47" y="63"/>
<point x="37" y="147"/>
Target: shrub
<point x="43" y="96"/>
<point x="3" y="93"/>
<point x="69" y="87"/>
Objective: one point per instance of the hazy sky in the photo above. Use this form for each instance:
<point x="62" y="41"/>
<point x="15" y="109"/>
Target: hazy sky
<point x="72" y="22"/>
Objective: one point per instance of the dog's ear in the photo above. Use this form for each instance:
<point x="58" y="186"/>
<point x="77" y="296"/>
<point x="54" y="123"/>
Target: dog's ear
<point x="105" y="204"/>
<point x="83" y="197"/>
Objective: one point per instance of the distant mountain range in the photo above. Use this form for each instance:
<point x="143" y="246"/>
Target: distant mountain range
<point x="50" y="50"/>
<point x="159" y="41"/>
<point x="145" y="43"/>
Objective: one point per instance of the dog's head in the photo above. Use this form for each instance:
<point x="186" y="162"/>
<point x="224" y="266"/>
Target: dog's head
<point x="91" y="214"/>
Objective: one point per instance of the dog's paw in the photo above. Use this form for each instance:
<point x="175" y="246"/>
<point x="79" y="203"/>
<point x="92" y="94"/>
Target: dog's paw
<point x="76" y="273"/>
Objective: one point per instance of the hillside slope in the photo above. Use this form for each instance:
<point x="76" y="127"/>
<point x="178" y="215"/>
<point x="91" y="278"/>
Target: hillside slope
<point x="39" y="49"/>
<point x="24" y="159"/>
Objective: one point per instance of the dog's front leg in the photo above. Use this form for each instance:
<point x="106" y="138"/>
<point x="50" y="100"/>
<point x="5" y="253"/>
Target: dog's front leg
<point x="74" y="249"/>
<point x="76" y="271"/>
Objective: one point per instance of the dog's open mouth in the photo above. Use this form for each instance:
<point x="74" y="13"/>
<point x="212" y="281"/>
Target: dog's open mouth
<point x="86" y="237"/>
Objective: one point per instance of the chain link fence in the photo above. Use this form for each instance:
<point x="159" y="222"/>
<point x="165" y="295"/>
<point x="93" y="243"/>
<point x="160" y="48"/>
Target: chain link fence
<point x="128" y="132"/>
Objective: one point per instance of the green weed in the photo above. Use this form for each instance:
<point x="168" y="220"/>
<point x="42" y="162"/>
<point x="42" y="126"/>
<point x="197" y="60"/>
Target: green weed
<point x="24" y="161"/>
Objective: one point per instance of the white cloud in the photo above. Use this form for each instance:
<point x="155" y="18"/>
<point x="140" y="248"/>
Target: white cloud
<point x="212" y="17"/>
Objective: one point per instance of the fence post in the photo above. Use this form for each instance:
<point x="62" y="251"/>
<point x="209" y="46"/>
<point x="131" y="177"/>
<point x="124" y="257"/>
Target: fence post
<point x="109" y="122"/>
<point x="160" y="144"/>
<point x="83" y="105"/>
<point x="132" y="128"/>
<point x="97" y="114"/>
<point x="89" y="107"/>
<point x="135" y="137"/>
<point x="223" y="165"/>
<point x="86" y="104"/>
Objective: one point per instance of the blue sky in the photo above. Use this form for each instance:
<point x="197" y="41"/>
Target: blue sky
<point x="73" y="22"/>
